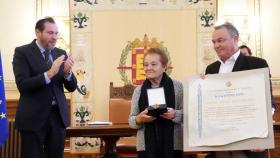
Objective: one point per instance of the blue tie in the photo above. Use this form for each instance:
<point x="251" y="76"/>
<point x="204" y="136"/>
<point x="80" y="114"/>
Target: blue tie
<point x="48" y="59"/>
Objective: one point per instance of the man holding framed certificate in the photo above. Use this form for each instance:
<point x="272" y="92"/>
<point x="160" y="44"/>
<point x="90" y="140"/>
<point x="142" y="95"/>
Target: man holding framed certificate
<point x="227" y="114"/>
<point x="225" y="41"/>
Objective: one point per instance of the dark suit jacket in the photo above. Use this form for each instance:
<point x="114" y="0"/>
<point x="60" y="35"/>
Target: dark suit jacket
<point x="242" y="63"/>
<point x="35" y="95"/>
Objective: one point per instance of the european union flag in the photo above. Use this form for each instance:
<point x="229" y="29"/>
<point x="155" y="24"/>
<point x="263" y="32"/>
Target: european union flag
<point x="3" y="114"/>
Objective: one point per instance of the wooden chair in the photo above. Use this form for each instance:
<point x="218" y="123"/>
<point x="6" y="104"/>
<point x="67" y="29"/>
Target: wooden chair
<point x="119" y="109"/>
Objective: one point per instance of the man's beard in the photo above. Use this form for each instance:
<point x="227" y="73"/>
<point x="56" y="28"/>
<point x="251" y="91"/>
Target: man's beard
<point x="50" y="46"/>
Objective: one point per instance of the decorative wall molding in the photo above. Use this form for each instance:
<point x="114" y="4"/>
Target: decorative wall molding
<point x="275" y="81"/>
<point x="10" y="85"/>
<point x="246" y="16"/>
<point x="139" y="4"/>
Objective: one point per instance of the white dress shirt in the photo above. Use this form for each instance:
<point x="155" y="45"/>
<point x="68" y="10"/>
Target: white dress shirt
<point x="227" y="66"/>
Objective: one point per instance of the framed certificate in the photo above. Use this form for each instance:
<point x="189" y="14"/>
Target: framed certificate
<point x="230" y="111"/>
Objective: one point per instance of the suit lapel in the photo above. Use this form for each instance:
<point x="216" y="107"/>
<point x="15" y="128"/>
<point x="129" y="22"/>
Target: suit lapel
<point x="239" y="64"/>
<point x="36" y="53"/>
<point x="216" y="67"/>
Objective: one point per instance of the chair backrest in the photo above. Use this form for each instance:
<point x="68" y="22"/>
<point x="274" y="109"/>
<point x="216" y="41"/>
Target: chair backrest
<point x="120" y="103"/>
<point x="276" y="116"/>
<point x="124" y="92"/>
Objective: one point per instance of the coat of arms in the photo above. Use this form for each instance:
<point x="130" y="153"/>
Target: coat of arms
<point x="137" y="49"/>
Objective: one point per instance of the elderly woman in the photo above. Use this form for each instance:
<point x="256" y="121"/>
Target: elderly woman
<point x="158" y="137"/>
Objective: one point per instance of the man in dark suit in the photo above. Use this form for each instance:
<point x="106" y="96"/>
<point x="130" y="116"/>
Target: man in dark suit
<point x="225" y="41"/>
<point x="41" y="72"/>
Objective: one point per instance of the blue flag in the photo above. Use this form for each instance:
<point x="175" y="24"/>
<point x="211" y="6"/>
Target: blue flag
<point x="3" y="114"/>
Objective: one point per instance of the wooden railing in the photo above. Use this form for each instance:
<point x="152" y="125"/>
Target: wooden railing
<point x="11" y="149"/>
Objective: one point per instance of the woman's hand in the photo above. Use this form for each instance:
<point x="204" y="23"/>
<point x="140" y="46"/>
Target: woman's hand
<point x="144" y="117"/>
<point x="170" y="114"/>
